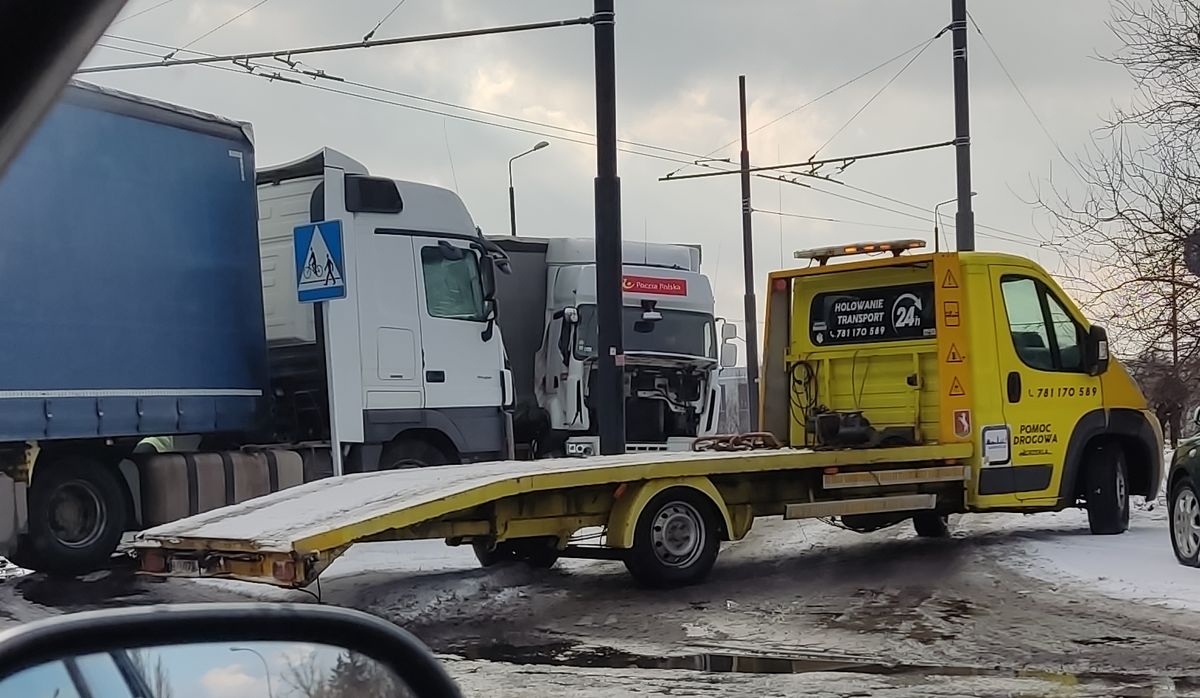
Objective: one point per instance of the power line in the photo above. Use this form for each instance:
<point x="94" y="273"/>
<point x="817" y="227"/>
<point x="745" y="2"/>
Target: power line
<point x="386" y="17"/>
<point x="848" y="160"/>
<point x="1020" y="93"/>
<point x="787" y="214"/>
<point x="245" y="69"/>
<point x="816" y="99"/>
<point x="224" y="24"/>
<point x="141" y="12"/>
<point x="328" y="48"/>
<point x="875" y="96"/>
<point x="408" y="95"/>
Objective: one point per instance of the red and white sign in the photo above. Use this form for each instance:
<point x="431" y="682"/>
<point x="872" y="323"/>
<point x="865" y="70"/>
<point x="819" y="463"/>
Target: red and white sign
<point x="654" y="285"/>
<point x="962" y="423"/>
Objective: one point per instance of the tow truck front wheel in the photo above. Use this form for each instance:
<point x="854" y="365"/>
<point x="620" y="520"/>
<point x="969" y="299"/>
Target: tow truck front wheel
<point x="1107" y="493"/>
<point x="77" y="513"/>
<point x="676" y="540"/>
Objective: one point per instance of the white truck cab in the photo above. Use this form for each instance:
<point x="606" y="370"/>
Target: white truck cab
<point x="410" y="354"/>
<point x="672" y="350"/>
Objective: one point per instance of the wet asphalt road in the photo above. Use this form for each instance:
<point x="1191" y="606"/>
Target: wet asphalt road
<point x="795" y="608"/>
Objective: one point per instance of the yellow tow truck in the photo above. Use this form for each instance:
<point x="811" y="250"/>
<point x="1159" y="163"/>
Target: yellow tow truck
<point x="902" y="386"/>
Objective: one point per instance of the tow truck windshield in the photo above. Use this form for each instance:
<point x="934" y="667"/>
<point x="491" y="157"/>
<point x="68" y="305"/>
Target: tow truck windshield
<point x="677" y="332"/>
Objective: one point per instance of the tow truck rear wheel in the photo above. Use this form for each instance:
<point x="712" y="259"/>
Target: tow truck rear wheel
<point x="538" y="553"/>
<point x="78" y="510"/>
<point x="929" y="524"/>
<point x="676" y="540"/>
<point x="1107" y="490"/>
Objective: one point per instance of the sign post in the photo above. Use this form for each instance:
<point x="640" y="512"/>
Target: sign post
<point x="321" y="277"/>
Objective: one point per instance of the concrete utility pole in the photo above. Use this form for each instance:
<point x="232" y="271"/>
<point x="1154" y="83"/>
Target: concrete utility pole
<point x="964" y="219"/>
<point x="750" y="311"/>
<point x="608" y="392"/>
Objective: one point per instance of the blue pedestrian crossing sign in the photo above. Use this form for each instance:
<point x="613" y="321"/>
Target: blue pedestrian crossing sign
<point x="320" y="264"/>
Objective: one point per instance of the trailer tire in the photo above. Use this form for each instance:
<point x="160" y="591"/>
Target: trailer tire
<point x="676" y="539"/>
<point x="78" y="509"/>
<point x="929" y="524"/>
<point x="538" y="553"/>
<point x="410" y="453"/>
<point x="1107" y="493"/>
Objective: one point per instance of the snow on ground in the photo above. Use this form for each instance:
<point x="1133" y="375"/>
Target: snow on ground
<point x="10" y="571"/>
<point x="1136" y="565"/>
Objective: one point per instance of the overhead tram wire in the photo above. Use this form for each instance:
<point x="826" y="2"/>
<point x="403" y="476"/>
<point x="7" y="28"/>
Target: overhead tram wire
<point x="329" y="48"/>
<point x="824" y="219"/>
<point x="369" y="35"/>
<point x="1024" y="100"/>
<point x="224" y="24"/>
<point x="918" y="46"/>
<point x="875" y="96"/>
<point x="242" y="69"/>
<point x="139" y="13"/>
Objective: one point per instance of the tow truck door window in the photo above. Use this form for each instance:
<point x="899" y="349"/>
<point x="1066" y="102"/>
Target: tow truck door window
<point x="1039" y="345"/>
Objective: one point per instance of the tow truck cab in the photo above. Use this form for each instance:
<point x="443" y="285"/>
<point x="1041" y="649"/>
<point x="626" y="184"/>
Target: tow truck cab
<point x="974" y="347"/>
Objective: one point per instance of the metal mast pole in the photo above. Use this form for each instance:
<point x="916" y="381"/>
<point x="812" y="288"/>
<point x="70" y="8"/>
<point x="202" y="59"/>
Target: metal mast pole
<point x="964" y="219"/>
<point x="751" y="308"/>
<point x="609" y="390"/>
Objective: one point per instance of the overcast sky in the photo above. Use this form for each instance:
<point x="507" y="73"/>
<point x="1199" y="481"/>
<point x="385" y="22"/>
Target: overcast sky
<point x="677" y="68"/>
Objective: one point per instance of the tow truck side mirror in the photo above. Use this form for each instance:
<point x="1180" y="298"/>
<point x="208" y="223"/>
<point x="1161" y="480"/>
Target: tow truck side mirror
<point x="729" y="354"/>
<point x="1097" y="350"/>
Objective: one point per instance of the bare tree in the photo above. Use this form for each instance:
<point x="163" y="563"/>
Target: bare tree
<point x="150" y="665"/>
<point x="1124" y="238"/>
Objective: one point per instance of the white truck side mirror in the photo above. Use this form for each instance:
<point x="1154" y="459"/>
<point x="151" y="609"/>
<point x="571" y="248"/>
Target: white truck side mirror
<point x="728" y="331"/>
<point x="728" y="354"/>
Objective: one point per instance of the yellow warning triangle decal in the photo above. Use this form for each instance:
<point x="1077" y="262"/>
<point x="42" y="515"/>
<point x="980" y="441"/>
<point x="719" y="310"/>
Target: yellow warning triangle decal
<point x="953" y="356"/>
<point x="949" y="281"/>
<point x="956" y="389"/>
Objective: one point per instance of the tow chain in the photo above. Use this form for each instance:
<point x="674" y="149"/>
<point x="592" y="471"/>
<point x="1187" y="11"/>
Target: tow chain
<point x="749" y="441"/>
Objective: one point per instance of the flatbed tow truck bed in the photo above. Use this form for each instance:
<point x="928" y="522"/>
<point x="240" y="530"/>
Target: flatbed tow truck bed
<point x="288" y="538"/>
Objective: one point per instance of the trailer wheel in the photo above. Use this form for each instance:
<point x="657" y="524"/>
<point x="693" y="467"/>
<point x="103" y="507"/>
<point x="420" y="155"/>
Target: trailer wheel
<point x="410" y="453"/>
<point x="930" y="524"/>
<point x="538" y="553"/>
<point x="676" y="540"/>
<point x="1107" y="494"/>
<point x="77" y="512"/>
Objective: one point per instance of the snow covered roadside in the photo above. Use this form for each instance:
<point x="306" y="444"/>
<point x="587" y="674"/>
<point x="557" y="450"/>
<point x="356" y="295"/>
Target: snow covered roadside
<point x="1137" y="565"/>
<point x="10" y="571"/>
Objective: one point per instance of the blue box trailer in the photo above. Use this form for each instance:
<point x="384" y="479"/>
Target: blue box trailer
<point x="129" y="264"/>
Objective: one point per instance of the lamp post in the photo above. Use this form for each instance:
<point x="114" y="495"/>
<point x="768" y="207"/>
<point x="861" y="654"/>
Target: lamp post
<point x="512" y="198"/>
<point x="937" y="217"/>
<point x="266" y="669"/>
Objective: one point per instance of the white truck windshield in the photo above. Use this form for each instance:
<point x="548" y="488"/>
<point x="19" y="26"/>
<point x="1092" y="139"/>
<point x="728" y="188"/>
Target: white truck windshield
<point x="678" y="332"/>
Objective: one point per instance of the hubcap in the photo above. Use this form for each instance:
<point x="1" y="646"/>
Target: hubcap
<point x="1121" y="496"/>
<point x="678" y="534"/>
<point x="1185" y="523"/>
<point x="77" y="516"/>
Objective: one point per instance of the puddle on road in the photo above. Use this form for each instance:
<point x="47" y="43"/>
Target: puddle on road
<point x="569" y="654"/>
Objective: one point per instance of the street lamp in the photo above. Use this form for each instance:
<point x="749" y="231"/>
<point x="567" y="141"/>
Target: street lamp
<point x="512" y="200"/>
<point x="937" y="217"/>
<point x="266" y="669"/>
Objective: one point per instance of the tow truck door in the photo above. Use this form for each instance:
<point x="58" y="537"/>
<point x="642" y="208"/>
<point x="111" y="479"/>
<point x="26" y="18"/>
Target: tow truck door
<point x="1044" y="385"/>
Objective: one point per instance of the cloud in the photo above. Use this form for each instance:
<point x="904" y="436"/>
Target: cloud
<point x="232" y="682"/>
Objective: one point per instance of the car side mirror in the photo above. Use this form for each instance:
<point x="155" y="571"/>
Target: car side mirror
<point x="729" y="352"/>
<point x="332" y="651"/>
<point x="728" y="331"/>
<point x="1097" y="350"/>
